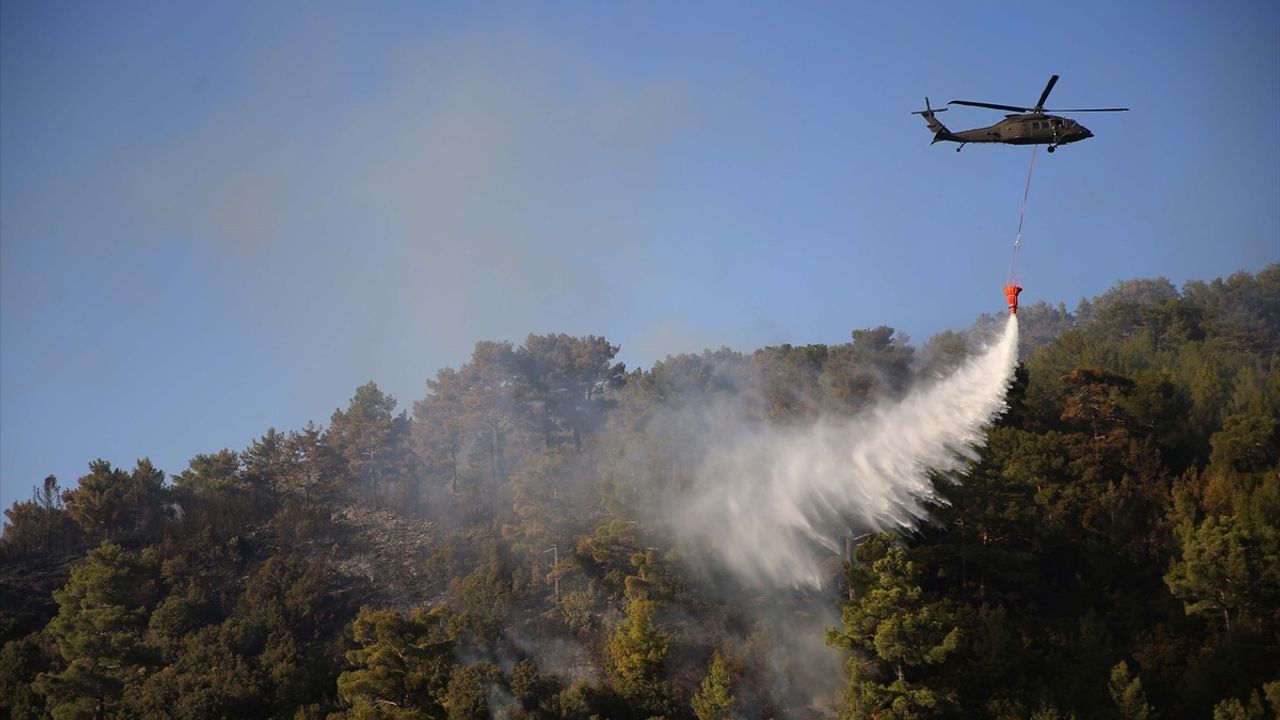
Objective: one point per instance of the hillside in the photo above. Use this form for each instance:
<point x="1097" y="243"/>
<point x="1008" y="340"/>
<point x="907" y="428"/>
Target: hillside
<point x="505" y="548"/>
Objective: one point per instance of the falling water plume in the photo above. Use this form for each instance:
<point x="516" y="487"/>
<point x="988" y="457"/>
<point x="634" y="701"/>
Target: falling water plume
<point x="775" y="503"/>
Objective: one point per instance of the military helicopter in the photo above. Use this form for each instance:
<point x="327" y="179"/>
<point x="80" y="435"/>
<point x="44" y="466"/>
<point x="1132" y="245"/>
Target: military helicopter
<point x="1027" y="126"/>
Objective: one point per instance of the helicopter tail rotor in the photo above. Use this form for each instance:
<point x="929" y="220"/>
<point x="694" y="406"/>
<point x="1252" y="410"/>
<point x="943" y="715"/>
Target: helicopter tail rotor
<point x="940" y="131"/>
<point x="928" y="111"/>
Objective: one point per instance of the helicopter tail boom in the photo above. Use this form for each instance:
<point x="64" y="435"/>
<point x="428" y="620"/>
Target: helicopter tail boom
<point x="940" y="131"/>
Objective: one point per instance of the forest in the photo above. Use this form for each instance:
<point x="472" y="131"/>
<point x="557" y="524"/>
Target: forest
<point x="502" y="548"/>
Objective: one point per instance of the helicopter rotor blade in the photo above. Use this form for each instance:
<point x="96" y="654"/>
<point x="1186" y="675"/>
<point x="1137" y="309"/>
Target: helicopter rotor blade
<point x="1045" y="95"/>
<point x="993" y="106"/>
<point x="1076" y="110"/>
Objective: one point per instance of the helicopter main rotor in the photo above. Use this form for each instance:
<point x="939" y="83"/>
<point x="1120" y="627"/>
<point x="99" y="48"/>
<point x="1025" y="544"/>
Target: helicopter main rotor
<point x="1039" y="108"/>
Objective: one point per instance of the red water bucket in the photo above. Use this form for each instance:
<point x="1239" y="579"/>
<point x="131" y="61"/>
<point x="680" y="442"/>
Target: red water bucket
<point x="1011" y="294"/>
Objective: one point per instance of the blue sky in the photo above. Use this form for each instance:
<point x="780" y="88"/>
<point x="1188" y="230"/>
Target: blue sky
<point x="217" y="218"/>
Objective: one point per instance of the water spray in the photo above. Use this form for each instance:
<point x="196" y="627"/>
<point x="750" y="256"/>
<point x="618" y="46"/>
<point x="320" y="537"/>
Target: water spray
<point x="773" y="503"/>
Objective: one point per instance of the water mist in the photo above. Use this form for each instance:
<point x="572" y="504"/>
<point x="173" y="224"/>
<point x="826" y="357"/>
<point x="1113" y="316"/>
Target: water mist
<point x="774" y="504"/>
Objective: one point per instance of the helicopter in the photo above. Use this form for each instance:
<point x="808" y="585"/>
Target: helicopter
<point x="1026" y="126"/>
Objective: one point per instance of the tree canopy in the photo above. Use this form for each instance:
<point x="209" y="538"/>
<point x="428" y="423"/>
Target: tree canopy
<point x="501" y="550"/>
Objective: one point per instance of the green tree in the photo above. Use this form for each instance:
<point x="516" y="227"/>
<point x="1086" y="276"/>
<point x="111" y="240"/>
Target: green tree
<point x="217" y="499"/>
<point x="1214" y="573"/>
<point x="373" y="440"/>
<point x="293" y="594"/>
<point x="898" y="631"/>
<point x="440" y="428"/>
<point x="40" y="526"/>
<point x="112" y="504"/>
<point x="1126" y="692"/>
<point x="537" y="692"/>
<point x="876" y="362"/>
<point x="637" y="651"/>
<point x="316" y="471"/>
<point x="714" y="699"/>
<point x="99" y="631"/>
<point x="1235" y="709"/>
<point x="268" y="461"/>
<point x="401" y="664"/>
<point x="943" y="353"/>
<point x="611" y="547"/>
<point x="220" y="471"/>
<point x="172" y="620"/>
<point x="475" y="426"/>
<point x="205" y="679"/>
<point x="469" y="691"/>
<point x="1111" y="310"/>
<point x="21" y="662"/>
<point x="483" y="598"/>
<point x="284" y="622"/>
<point x="789" y="378"/>
<point x="567" y="383"/>
<point x="1244" y="450"/>
<point x="543" y="501"/>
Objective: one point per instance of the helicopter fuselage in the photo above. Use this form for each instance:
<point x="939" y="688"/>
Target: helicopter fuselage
<point x="1025" y="129"/>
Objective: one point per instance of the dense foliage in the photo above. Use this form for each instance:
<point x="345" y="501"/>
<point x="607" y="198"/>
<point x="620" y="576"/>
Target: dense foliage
<point x="1114" y="552"/>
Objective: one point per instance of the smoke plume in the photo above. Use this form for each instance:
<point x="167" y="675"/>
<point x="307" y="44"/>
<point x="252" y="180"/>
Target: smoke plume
<point x="774" y="504"/>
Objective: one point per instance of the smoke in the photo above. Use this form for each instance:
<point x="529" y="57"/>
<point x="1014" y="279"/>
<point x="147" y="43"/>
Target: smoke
<point x="773" y="504"/>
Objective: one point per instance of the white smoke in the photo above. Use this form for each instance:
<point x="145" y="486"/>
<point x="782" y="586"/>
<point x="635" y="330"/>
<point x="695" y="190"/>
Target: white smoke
<point x="773" y="504"/>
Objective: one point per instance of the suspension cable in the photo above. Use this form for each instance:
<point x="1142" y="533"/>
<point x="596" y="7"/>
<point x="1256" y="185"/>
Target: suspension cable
<point x="1012" y="277"/>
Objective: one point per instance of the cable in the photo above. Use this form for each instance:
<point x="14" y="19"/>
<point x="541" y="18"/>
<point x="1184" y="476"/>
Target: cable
<point x="1011" y="286"/>
<point x="1012" y="277"/>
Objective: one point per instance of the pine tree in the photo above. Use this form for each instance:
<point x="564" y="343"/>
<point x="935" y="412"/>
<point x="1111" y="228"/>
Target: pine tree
<point x="637" y="650"/>
<point x="112" y="504"/>
<point x="401" y="664"/>
<point x="99" y="629"/>
<point x="898" y="631"/>
<point x="373" y="440"/>
<point x="1127" y="693"/>
<point x="469" y="691"/>
<point x="1214" y="573"/>
<point x="714" y="699"/>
